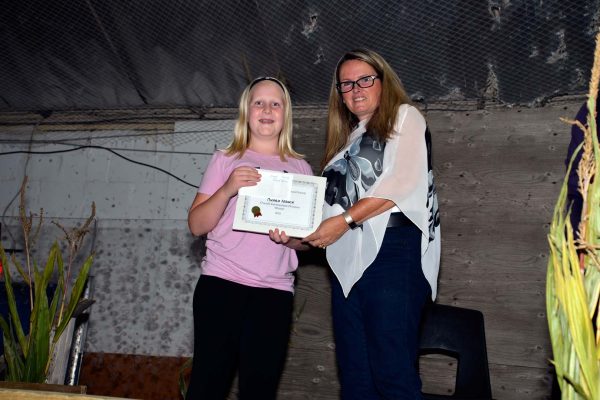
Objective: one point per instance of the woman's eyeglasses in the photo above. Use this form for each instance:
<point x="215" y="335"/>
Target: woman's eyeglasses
<point x="364" y="82"/>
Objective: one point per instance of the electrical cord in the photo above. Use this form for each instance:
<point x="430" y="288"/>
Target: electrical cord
<point x="121" y="136"/>
<point x="64" y="143"/>
<point x="102" y="148"/>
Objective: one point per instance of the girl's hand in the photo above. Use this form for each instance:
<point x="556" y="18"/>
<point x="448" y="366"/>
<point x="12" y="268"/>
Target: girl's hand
<point x="240" y="177"/>
<point x="278" y="237"/>
<point x="328" y="232"/>
<point x="282" y="238"/>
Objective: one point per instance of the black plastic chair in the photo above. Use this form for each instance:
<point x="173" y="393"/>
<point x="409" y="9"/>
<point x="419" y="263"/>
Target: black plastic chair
<point x="458" y="333"/>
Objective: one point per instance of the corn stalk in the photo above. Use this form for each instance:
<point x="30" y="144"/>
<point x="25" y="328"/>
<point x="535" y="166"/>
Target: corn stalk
<point x="573" y="278"/>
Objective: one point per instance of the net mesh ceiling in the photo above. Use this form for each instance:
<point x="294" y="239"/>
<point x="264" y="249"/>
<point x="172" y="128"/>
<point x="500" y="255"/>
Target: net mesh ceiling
<point x="92" y="54"/>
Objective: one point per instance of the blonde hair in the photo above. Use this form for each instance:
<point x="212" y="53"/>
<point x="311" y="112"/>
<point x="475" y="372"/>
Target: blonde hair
<point x="340" y="121"/>
<point x="241" y="136"/>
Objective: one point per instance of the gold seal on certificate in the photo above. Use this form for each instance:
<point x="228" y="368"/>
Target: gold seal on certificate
<point x="291" y="202"/>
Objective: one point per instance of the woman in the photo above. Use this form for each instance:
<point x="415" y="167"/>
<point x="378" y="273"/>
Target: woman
<point x="380" y="228"/>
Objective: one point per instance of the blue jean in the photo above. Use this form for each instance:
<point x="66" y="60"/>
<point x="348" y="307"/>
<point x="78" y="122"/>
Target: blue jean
<point x="377" y="327"/>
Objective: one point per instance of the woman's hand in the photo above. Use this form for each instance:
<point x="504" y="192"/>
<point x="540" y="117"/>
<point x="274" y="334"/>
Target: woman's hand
<point x="328" y="232"/>
<point x="282" y="238"/>
<point x="240" y="177"/>
<point x="333" y="228"/>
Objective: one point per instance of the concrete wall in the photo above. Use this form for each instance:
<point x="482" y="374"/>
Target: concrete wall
<point x="145" y="269"/>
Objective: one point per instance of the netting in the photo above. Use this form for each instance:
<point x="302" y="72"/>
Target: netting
<point x="120" y="54"/>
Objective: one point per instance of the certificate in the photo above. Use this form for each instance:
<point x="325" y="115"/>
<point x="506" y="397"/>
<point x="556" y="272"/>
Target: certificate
<point x="291" y="202"/>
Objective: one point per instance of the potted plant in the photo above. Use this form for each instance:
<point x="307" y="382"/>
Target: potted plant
<point x="573" y="278"/>
<point x="28" y="357"/>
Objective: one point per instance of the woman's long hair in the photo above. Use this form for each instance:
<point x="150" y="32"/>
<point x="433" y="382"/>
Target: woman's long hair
<point x="241" y="136"/>
<point x="341" y="121"/>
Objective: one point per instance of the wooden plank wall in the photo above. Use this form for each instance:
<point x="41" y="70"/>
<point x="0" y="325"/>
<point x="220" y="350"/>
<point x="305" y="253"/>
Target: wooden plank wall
<point x="498" y="173"/>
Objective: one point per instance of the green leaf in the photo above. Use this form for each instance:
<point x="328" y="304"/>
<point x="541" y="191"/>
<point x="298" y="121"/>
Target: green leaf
<point x="39" y="352"/>
<point x="75" y="295"/>
<point x="55" y="301"/>
<point x="81" y="306"/>
<point x="14" y="360"/>
<point x="20" y="269"/>
<point x="60" y="288"/>
<point x="37" y="359"/>
<point x="49" y="268"/>
<point x="182" y="372"/>
<point x="12" y="305"/>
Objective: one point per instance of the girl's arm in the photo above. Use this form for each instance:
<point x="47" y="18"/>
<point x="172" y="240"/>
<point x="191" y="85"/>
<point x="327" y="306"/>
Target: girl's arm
<point x="207" y="210"/>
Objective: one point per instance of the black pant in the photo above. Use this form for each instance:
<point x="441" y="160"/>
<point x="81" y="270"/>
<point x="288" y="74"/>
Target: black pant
<point x="238" y="328"/>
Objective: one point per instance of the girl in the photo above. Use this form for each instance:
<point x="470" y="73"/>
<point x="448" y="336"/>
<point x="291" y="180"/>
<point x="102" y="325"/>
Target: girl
<point x="244" y="297"/>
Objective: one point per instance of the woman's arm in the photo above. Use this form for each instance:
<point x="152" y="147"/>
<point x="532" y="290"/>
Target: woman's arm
<point x="333" y="228"/>
<point x="207" y="210"/>
<point x="368" y="207"/>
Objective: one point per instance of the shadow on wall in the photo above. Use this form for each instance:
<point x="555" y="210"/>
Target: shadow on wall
<point x="198" y="249"/>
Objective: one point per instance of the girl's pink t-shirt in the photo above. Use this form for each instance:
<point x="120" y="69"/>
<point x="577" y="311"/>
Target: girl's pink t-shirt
<point x="251" y="259"/>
